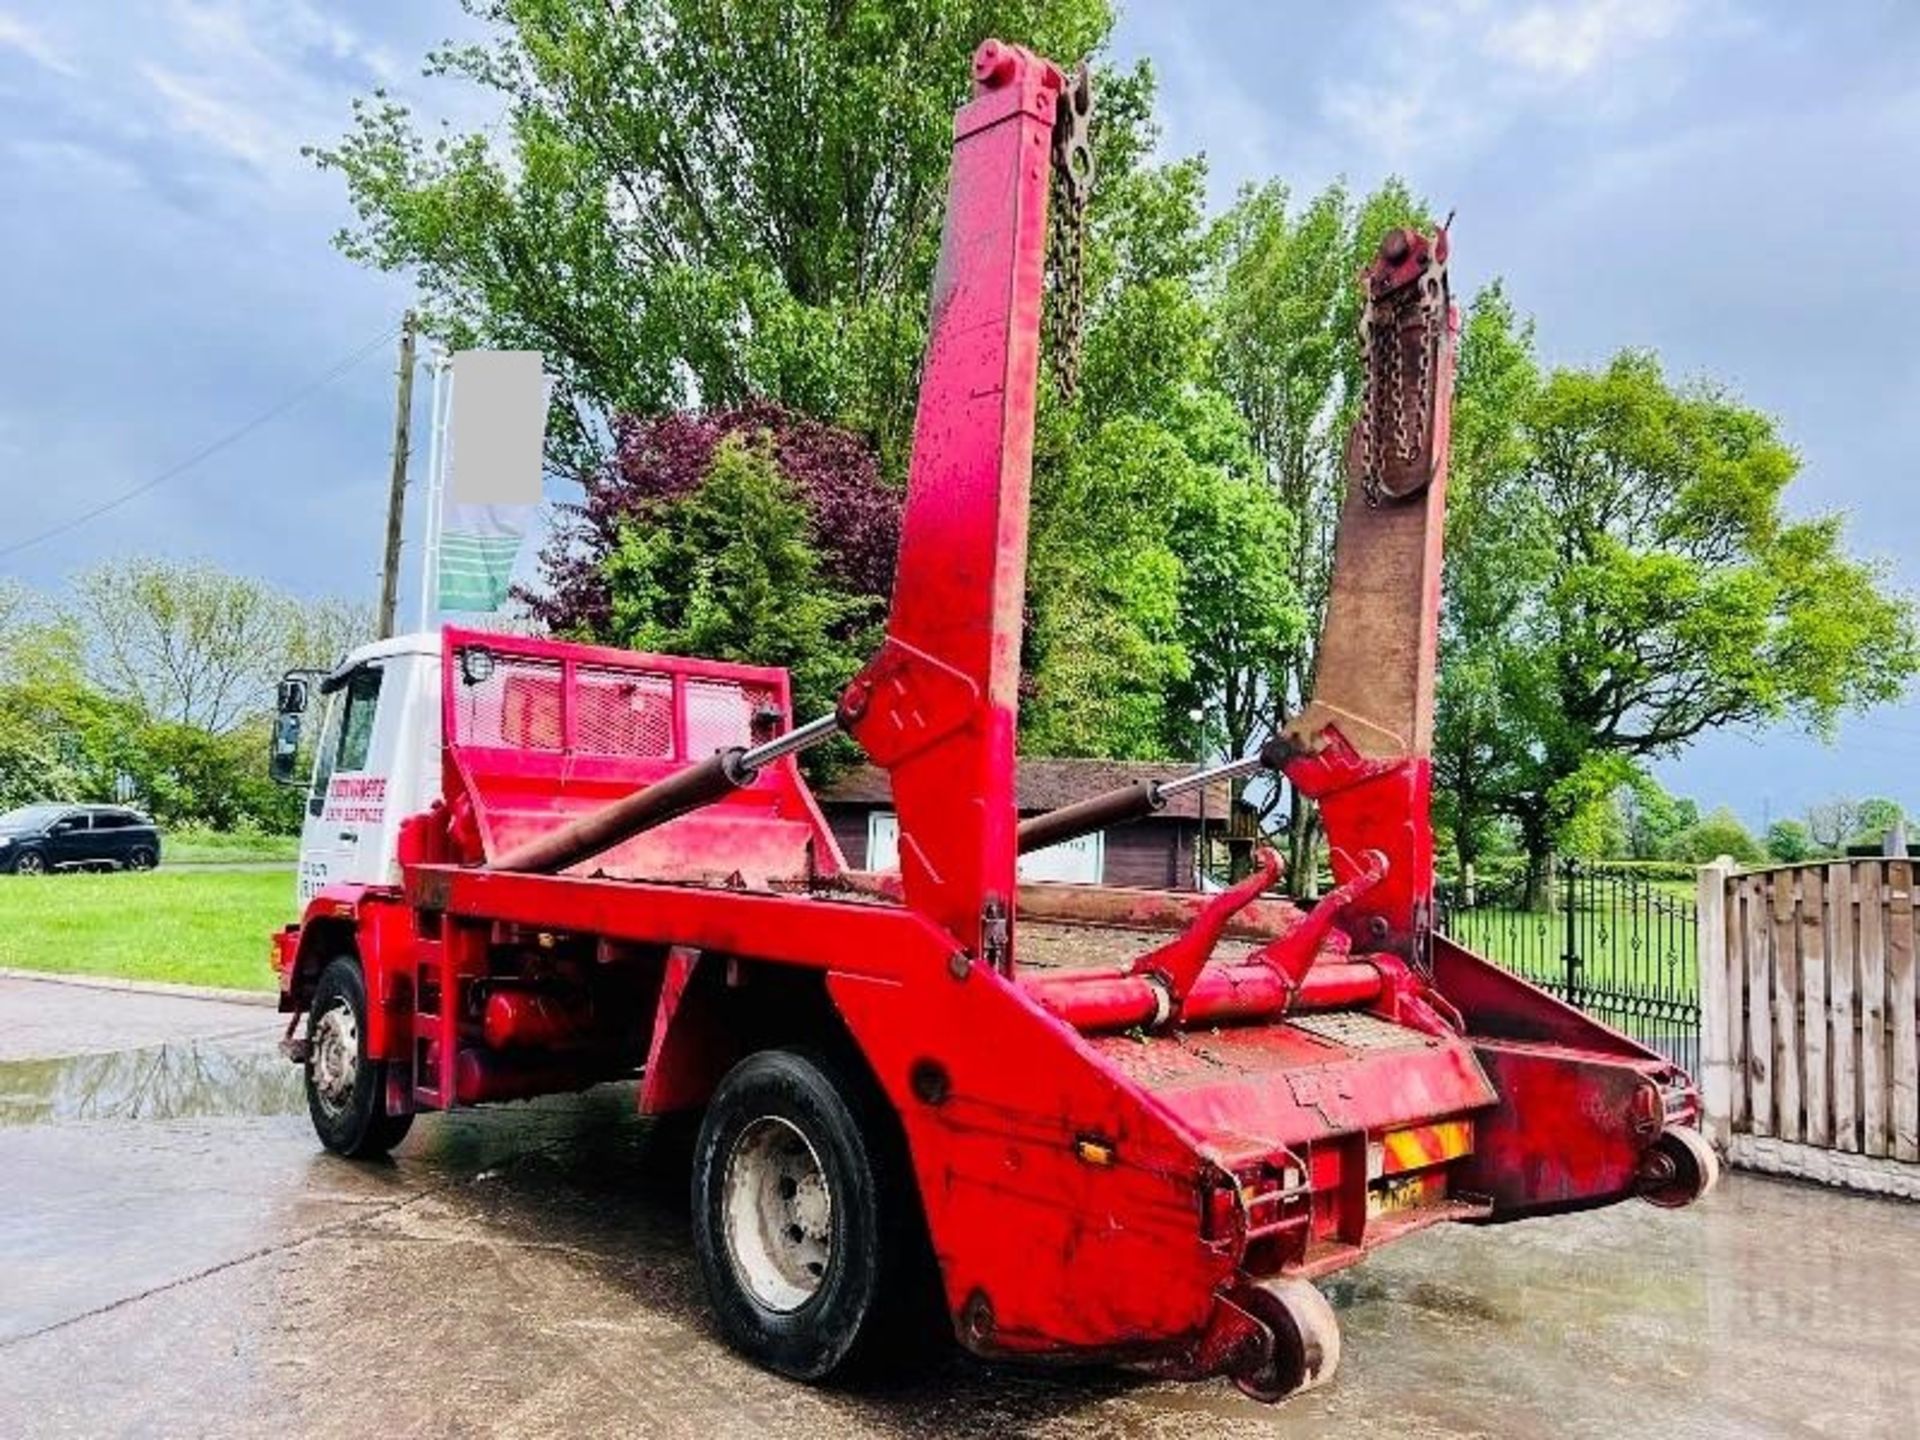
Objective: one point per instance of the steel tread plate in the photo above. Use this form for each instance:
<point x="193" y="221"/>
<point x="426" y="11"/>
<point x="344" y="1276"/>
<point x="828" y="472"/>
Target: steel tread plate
<point x="1358" y="1030"/>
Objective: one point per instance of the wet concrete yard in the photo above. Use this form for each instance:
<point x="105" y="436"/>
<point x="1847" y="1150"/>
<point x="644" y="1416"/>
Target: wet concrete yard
<point x="177" y="1257"/>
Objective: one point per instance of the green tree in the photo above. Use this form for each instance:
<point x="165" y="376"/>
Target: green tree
<point x="1720" y="833"/>
<point x="1285" y="315"/>
<point x="1655" y="590"/>
<point x="1240" y="612"/>
<point x="728" y="572"/>
<point x="58" y="736"/>
<point x="1874" y="818"/>
<point x="1475" y="752"/>
<point x="1136" y="559"/>
<point x="158" y="676"/>
<point x="188" y="776"/>
<point x="1789" y="843"/>
<point x="1654" y="819"/>
<point x="16" y="609"/>
<point x="692" y="201"/>
<point x="197" y="646"/>
<point x="1833" y="823"/>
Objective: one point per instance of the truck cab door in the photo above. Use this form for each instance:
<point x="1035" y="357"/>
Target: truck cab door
<point x="340" y="839"/>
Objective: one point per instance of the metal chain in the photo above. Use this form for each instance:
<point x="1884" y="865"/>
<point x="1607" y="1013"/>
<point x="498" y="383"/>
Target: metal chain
<point x="1395" y="425"/>
<point x="1066" y="289"/>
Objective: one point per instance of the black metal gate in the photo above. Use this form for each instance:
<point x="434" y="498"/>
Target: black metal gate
<point x="1620" y="946"/>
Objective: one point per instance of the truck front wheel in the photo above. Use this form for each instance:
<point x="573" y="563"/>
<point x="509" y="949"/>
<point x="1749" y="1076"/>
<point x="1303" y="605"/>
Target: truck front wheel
<point x="346" y="1091"/>
<point x="796" y="1213"/>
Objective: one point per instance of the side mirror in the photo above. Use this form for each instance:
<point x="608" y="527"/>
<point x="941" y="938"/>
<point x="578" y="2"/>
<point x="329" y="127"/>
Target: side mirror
<point x="283" y="759"/>
<point x="293" y="697"/>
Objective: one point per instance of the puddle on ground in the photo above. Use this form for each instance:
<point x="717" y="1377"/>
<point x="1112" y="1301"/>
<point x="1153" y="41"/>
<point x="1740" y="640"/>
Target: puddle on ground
<point x="185" y="1079"/>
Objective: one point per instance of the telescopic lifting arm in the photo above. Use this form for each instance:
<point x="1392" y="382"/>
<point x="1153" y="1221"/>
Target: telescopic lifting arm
<point x="1129" y="802"/>
<point x="1363" y="744"/>
<point x="937" y="705"/>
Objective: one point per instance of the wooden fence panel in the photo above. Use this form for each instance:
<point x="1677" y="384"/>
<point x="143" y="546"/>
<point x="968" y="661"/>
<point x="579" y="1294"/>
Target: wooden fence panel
<point x="1759" y="1008"/>
<point x="1786" y="1010"/>
<point x="1841" y="944"/>
<point x="1904" y="1120"/>
<point x="1716" y="1054"/>
<point x="1814" y="1025"/>
<point x="1734" y="1023"/>
<point x="1873" y="1011"/>
<point x="1810" y="982"/>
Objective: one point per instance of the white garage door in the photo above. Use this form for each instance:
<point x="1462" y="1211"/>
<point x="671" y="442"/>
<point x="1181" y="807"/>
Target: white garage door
<point x="1075" y="862"/>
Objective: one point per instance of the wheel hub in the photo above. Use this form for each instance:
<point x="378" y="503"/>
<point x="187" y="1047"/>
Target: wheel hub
<point x="776" y="1212"/>
<point x="334" y="1054"/>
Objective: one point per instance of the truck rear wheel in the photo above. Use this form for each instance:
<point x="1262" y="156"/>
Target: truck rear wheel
<point x="346" y="1091"/>
<point x="800" y="1215"/>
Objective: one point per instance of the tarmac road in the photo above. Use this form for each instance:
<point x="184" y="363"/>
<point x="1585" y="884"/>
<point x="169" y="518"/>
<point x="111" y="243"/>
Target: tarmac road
<point x="178" y="1258"/>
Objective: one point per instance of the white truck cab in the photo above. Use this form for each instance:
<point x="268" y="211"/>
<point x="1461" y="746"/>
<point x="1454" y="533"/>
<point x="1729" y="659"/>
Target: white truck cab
<point x="376" y="757"/>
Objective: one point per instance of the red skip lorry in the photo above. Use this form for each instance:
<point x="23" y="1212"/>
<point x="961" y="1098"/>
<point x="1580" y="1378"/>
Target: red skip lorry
<point x="1100" y="1124"/>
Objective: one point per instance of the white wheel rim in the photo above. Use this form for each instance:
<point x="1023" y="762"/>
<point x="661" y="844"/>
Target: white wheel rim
<point x="776" y="1211"/>
<point x="335" y="1051"/>
<point x="30" y="864"/>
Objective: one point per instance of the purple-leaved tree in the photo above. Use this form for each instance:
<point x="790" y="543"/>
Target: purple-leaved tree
<point x="854" y="517"/>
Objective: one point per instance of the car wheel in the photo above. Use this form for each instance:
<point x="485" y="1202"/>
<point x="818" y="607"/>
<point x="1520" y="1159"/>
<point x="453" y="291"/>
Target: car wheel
<point x="801" y="1215"/>
<point x="346" y="1091"/>
<point x="29" y="862"/>
<point x="141" y="858"/>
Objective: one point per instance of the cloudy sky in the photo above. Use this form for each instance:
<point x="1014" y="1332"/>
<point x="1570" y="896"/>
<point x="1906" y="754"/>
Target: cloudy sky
<point x="1731" y="182"/>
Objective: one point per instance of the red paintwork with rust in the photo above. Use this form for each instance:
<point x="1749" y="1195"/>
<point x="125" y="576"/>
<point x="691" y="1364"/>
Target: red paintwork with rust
<point x="1086" y="1194"/>
<point x="503" y="794"/>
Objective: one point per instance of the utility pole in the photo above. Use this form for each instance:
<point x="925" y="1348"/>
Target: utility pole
<point x="397" y="488"/>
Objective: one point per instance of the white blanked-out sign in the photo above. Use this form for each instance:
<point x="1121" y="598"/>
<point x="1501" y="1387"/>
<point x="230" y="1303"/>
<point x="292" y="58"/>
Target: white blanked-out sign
<point x="1081" y="861"/>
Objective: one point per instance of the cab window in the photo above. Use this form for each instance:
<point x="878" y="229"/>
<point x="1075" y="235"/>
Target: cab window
<point x="356" y="728"/>
<point x="347" y="735"/>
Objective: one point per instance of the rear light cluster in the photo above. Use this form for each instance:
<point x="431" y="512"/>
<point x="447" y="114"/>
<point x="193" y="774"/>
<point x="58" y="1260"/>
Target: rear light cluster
<point x="1258" y="1205"/>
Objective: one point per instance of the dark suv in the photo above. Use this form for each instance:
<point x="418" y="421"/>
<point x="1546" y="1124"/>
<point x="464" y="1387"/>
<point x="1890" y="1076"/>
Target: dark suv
<point x="37" y="838"/>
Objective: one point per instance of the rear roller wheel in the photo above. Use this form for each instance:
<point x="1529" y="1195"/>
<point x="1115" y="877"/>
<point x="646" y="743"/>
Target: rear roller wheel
<point x="1306" y="1340"/>
<point x="1678" y="1169"/>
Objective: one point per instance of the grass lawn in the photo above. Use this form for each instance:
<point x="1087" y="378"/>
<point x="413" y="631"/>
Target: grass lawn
<point x="211" y="928"/>
<point x="211" y="847"/>
<point x="1623" y="945"/>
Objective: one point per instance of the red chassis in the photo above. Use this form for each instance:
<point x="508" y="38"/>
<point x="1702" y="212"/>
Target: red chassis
<point x="1136" y="1123"/>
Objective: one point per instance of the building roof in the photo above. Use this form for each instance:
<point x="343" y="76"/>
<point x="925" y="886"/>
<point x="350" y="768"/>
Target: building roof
<point x="1049" y="784"/>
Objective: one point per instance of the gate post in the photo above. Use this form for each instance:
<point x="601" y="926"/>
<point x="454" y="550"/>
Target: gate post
<point x="1716" y="1049"/>
<point x="1571" y="956"/>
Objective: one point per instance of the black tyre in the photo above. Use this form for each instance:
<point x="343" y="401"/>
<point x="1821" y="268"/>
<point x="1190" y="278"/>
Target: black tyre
<point x="346" y="1092"/>
<point x="803" y="1216"/>
<point x="29" y="862"/>
<point x="141" y="858"/>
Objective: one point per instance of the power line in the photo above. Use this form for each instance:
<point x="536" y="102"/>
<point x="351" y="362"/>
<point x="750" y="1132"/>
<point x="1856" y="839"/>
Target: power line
<point x="205" y="452"/>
